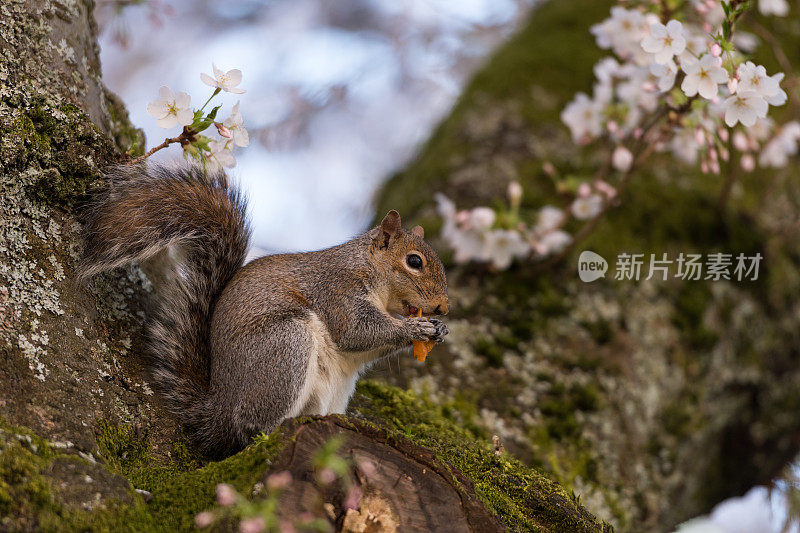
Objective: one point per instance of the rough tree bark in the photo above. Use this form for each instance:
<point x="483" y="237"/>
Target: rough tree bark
<point x="79" y="426"/>
<point x="653" y="400"/>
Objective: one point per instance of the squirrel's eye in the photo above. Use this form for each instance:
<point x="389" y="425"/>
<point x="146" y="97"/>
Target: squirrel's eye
<point x="414" y="261"/>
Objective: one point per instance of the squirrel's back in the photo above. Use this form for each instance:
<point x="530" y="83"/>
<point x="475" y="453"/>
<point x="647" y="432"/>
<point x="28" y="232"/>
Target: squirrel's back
<point x="145" y="210"/>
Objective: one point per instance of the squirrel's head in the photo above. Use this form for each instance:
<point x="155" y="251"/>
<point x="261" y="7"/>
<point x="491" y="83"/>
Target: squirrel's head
<point x="416" y="279"/>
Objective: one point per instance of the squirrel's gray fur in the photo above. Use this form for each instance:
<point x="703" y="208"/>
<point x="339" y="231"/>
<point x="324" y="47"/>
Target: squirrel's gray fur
<point x="234" y="350"/>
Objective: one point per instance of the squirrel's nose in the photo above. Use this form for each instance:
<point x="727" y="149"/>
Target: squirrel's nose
<point x="442" y="308"/>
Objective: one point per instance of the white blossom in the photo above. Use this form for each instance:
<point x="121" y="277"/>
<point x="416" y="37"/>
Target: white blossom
<point x="549" y="219"/>
<point x="552" y="243"/>
<point x="623" y="32"/>
<point x="779" y="98"/>
<point x="220" y="154"/>
<point x="684" y="145"/>
<point x="235" y="125"/>
<point x="503" y="246"/>
<point x="584" y="208"/>
<point x="664" y="42"/>
<point x="481" y="218"/>
<point x="779" y="8"/>
<point x="665" y="74"/>
<point x="754" y="78"/>
<point x="227" y="81"/>
<point x="745" y="107"/>
<point x="703" y="76"/>
<point x="171" y="109"/>
<point x="622" y="159"/>
<point x="583" y="116"/>
<point x="777" y="151"/>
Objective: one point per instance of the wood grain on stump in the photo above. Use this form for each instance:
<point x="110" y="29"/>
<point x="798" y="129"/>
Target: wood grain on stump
<point x="407" y="490"/>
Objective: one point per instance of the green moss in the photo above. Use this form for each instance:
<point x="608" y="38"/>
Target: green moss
<point x="522" y="498"/>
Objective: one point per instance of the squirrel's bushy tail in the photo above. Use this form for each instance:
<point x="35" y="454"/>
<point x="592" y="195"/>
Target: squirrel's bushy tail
<point x="143" y="211"/>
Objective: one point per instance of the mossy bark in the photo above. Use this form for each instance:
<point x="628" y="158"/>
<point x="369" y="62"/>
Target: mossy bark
<point x="79" y="426"/>
<point x="654" y="400"/>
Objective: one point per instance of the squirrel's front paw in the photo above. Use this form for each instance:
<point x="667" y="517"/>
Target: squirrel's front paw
<point x="420" y="329"/>
<point x="441" y="330"/>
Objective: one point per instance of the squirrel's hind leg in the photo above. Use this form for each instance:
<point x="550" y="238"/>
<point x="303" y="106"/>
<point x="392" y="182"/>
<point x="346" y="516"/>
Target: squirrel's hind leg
<point x="258" y="378"/>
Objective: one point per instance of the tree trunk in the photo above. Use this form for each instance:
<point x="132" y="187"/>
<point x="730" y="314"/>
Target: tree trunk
<point x="79" y="426"/>
<point x="652" y="400"/>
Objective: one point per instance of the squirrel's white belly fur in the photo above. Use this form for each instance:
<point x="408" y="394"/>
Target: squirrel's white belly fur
<point x="331" y="374"/>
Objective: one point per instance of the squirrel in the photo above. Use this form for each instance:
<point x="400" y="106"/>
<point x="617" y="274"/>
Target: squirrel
<point x="235" y="349"/>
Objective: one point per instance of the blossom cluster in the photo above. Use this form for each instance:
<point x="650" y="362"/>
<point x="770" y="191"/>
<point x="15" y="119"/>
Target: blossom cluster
<point x="679" y="82"/>
<point x="482" y="235"/>
<point x="693" y="65"/>
<point x="213" y="153"/>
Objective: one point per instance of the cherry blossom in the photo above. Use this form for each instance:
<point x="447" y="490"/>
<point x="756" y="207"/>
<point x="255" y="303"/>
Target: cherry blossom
<point x="622" y="159"/>
<point x="703" y="76"/>
<point x="552" y="243"/>
<point x="779" y="8"/>
<point x="226" y="81"/>
<point x="665" y="42"/>
<point x="665" y="74"/>
<point x="171" y="109"/>
<point x="503" y="246"/>
<point x="754" y="78"/>
<point x="777" y="151"/>
<point x="583" y="116"/>
<point x="220" y="154"/>
<point x="587" y="207"/>
<point x="235" y="125"/>
<point x="744" y="107"/>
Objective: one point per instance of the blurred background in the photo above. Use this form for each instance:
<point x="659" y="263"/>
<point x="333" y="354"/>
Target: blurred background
<point x="339" y="96"/>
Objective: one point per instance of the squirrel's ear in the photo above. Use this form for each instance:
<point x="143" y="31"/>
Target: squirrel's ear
<point x="418" y="231"/>
<point x="388" y="230"/>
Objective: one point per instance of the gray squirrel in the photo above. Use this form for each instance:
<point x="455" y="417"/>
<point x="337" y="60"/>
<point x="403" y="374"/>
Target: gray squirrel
<point x="234" y="350"/>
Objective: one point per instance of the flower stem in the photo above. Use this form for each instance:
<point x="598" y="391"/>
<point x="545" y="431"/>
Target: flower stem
<point x="215" y="93"/>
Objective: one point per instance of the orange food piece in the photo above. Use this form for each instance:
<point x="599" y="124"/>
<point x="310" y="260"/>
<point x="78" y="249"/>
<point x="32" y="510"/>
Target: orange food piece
<point x="422" y="348"/>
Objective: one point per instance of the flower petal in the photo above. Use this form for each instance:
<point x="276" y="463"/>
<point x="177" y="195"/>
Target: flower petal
<point x="167" y="122"/>
<point x="234" y="77"/>
<point x="185" y="117"/>
<point x="165" y="93"/>
<point x="158" y="108"/>
<point x="208" y="80"/>
<point x="182" y="100"/>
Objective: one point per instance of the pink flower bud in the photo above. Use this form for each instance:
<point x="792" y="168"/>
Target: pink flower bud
<point x="279" y="481"/>
<point x="733" y="84"/>
<point x="714" y="165"/>
<point x="252" y="525"/>
<point x="724" y="154"/>
<point x="716" y="50"/>
<point x="612" y="126"/>
<point x="700" y="136"/>
<point x="326" y="476"/>
<point x="740" y="141"/>
<point x="723" y="134"/>
<point x="712" y="154"/>
<point x="637" y="133"/>
<point x="204" y="519"/>
<point x="707" y="27"/>
<point x="548" y="168"/>
<point x="704" y="166"/>
<point x="584" y="190"/>
<point x="514" y="193"/>
<point x="225" y="132"/>
<point x="701" y="9"/>
<point x="226" y="495"/>
<point x="748" y="162"/>
<point x="353" y="500"/>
